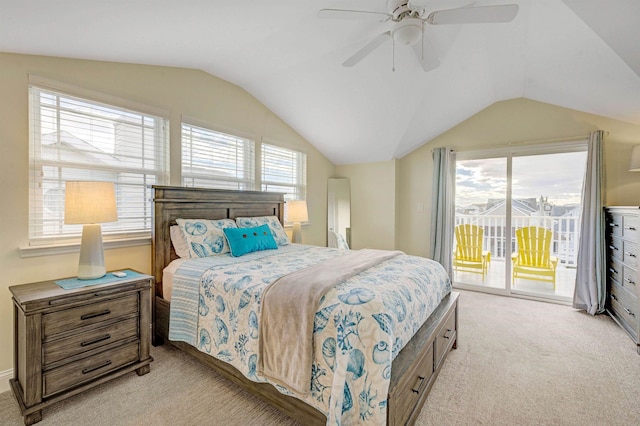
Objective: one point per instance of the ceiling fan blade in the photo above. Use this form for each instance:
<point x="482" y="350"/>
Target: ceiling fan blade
<point x="427" y="55"/>
<point x="368" y="48"/>
<point x="474" y="15"/>
<point x="354" y="14"/>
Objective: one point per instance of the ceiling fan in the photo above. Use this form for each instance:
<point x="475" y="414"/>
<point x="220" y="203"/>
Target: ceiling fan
<point x="408" y="20"/>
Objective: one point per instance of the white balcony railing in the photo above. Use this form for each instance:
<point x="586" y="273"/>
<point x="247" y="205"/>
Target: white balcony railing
<point x="564" y="246"/>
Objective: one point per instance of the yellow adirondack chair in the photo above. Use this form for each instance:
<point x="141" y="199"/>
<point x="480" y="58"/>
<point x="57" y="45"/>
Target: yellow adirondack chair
<point x="533" y="259"/>
<point x="468" y="255"/>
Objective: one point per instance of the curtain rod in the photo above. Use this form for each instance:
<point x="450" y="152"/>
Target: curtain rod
<point x="532" y="142"/>
<point x="565" y="139"/>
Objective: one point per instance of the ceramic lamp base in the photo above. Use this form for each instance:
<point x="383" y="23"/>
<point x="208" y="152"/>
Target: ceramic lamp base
<point x="91" y="265"/>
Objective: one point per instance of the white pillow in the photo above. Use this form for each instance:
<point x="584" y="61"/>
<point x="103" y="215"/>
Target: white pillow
<point x="274" y="224"/>
<point x="205" y="237"/>
<point x="178" y="241"/>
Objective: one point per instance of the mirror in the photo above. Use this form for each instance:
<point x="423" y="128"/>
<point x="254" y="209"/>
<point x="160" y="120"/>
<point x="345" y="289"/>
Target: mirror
<point x="339" y="213"/>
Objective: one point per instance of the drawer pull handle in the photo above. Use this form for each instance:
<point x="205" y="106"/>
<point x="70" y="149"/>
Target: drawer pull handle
<point x="96" y="340"/>
<point x="612" y="247"/>
<point x="614" y="225"/>
<point x="630" y="228"/>
<point x="447" y="334"/>
<point x="97" y="367"/>
<point x="614" y="297"/>
<point x="629" y="281"/>
<point x="629" y="312"/>
<point x="416" y="388"/>
<point x="628" y="253"/>
<point x="95" y="314"/>
<point x="613" y="271"/>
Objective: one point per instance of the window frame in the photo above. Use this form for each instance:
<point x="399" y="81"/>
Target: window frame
<point x="41" y="242"/>
<point x="300" y="178"/>
<point x="248" y="158"/>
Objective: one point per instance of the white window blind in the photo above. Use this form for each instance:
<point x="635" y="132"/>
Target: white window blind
<point x="284" y="170"/>
<point x="79" y="139"/>
<point x="214" y="159"/>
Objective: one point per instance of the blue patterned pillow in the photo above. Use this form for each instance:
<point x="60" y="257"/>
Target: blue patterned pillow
<point x="205" y="237"/>
<point x="274" y="224"/>
<point x="247" y="240"/>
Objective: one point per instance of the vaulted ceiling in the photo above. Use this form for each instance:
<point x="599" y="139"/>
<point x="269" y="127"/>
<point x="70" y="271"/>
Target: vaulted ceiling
<point x="579" y="54"/>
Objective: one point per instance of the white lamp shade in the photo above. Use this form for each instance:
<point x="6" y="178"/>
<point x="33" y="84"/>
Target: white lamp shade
<point x="634" y="164"/>
<point x="89" y="202"/>
<point x="297" y="211"/>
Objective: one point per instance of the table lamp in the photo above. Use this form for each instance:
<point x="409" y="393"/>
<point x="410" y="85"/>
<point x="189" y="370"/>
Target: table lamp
<point x="297" y="212"/>
<point x="89" y="204"/>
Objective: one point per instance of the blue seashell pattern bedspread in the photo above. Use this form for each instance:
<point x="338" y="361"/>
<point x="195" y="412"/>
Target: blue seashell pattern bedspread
<point x="359" y="328"/>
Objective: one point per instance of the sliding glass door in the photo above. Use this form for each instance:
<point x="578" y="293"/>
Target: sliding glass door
<point x="517" y="220"/>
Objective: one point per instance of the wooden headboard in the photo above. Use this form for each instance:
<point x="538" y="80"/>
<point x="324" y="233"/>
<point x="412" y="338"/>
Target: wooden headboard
<point x="174" y="202"/>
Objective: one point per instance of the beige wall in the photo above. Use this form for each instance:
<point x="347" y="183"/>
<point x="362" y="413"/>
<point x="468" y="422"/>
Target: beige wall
<point x="191" y="93"/>
<point x="373" y="203"/>
<point x="512" y="121"/>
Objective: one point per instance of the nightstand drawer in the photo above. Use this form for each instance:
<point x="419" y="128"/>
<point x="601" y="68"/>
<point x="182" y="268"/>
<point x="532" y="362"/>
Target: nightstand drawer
<point x="61" y="349"/>
<point x="73" y="374"/>
<point x="70" y="319"/>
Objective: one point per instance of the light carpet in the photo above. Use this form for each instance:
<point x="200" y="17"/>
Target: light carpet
<point x="518" y="362"/>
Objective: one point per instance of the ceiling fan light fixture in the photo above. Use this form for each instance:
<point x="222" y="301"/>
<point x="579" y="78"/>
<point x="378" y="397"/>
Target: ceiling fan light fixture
<point x="407" y="32"/>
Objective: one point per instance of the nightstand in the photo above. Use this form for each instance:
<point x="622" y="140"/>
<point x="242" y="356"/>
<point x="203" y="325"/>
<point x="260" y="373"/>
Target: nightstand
<point x="68" y="341"/>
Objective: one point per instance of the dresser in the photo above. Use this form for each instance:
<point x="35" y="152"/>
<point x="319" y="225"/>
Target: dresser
<point x="623" y="243"/>
<point x="68" y="341"/>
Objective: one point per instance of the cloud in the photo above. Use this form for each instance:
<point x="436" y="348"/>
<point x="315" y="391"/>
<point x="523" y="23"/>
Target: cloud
<point x="556" y="176"/>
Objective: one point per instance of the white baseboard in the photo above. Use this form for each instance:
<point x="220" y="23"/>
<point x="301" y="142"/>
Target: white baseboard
<point x="5" y="376"/>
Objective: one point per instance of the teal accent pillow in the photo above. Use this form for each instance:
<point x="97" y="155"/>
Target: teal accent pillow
<point x="247" y="240"/>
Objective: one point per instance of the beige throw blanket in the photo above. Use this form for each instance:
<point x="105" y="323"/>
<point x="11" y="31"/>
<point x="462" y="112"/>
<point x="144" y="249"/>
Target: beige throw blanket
<point x="288" y="311"/>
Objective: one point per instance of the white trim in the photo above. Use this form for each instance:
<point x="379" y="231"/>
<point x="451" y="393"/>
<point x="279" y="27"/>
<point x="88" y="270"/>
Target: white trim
<point x="95" y="96"/>
<point x="5" y="376"/>
<point x="54" y="249"/>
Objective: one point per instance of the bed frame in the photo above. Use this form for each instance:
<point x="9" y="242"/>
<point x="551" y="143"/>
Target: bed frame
<point x="413" y="371"/>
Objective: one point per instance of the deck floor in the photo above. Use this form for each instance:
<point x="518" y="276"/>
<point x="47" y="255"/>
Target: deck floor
<point x="495" y="278"/>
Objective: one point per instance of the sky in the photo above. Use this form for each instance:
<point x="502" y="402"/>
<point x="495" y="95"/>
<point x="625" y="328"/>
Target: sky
<point x="556" y="176"/>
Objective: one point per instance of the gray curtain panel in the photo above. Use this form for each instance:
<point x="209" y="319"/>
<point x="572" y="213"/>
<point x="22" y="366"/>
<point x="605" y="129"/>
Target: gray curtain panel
<point x="443" y="207"/>
<point x="590" y="288"/>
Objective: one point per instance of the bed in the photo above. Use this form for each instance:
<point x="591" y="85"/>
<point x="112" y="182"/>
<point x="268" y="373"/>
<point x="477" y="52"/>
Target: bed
<point x="409" y="376"/>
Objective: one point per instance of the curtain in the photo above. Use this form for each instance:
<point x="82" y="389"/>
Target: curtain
<point x="590" y="289"/>
<point x="443" y="207"/>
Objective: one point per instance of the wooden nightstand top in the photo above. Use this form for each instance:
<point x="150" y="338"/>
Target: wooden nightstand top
<point x="43" y="294"/>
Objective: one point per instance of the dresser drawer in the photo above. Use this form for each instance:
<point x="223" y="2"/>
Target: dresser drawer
<point x="76" y="373"/>
<point x="407" y="393"/>
<point x="614" y="223"/>
<point x="615" y="270"/>
<point x="629" y="279"/>
<point x="625" y="307"/>
<point x="630" y="253"/>
<point x="70" y="319"/>
<point x="615" y="249"/>
<point x="446" y="337"/>
<point x="73" y="345"/>
<point x="630" y="226"/>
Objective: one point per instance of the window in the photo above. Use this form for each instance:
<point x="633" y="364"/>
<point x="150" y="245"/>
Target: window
<point x="284" y="170"/>
<point x="72" y="138"/>
<point x="216" y="160"/>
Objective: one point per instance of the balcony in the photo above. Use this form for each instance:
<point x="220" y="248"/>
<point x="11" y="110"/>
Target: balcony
<point x="564" y="246"/>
